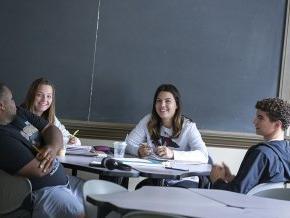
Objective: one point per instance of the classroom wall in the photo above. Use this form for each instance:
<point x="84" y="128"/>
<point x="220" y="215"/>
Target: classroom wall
<point x="230" y="156"/>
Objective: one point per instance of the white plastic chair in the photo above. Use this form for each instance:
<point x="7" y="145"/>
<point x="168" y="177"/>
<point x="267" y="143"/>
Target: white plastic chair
<point x="266" y="186"/>
<point x="98" y="187"/>
<point x="13" y="191"/>
<point x="276" y="193"/>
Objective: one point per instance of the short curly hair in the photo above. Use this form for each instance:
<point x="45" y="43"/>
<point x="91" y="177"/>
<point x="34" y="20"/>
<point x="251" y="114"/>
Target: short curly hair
<point x="277" y="109"/>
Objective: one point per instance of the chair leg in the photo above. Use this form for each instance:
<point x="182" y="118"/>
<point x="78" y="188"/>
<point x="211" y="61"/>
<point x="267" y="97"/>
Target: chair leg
<point x="103" y="211"/>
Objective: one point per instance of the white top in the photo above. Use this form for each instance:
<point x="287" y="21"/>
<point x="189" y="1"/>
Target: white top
<point x="190" y="146"/>
<point x="66" y="135"/>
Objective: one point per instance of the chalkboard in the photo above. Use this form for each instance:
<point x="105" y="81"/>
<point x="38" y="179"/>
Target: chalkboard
<point x="107" y="57"/>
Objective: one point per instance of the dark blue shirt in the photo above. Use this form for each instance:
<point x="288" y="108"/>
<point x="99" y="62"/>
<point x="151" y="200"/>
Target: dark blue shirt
<point x="264" y="162"/>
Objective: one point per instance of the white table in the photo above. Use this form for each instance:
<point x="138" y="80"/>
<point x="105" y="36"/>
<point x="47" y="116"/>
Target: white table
<point x="193" y="203"/>
<point x="78" y="162"/>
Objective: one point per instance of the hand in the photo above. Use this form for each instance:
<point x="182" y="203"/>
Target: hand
<point x="144" y="150"/>
<point x="217" y="172"/>
<point x="46" y="157"/>
<point x="165" y="152"/>
<point x="72" y="140"/>
<point x="228" y="175"/>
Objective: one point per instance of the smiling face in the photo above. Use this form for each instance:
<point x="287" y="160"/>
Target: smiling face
<point x="165" y="106"/>
<point x="42" y="99"/>
<point x="265" y="127"/>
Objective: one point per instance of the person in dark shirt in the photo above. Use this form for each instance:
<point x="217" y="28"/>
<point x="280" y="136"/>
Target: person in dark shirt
<point x="265" y="162"/>
<point x="28" y="148"/>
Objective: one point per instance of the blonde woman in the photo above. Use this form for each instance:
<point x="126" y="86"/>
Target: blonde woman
<point x="40" y="100"/>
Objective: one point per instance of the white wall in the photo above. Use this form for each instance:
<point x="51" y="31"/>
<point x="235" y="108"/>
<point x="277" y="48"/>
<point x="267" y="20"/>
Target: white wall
<point x="230" y="156"/>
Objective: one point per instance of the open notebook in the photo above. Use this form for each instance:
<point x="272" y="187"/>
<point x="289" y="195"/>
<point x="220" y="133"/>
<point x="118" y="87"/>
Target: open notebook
<point x="82" y="151"/>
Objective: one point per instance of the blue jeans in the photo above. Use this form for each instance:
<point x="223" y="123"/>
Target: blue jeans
<point x="59" y="201"/>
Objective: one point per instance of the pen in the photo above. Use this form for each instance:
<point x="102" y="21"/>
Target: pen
<point x="75" y="132"/>
<point x="36" y="149"/>
<point x="180" y="169"/>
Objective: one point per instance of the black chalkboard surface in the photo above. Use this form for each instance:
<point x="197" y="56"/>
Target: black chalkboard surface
<point x="107" y="57"/>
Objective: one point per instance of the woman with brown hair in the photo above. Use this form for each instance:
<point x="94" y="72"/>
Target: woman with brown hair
<point x="167" y="133"/>
<point x="40" y="100"/>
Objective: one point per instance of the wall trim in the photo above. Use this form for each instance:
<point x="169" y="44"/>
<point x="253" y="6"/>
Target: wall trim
<point x="118" y="131"/>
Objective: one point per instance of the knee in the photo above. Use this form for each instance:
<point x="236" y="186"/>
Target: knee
<point x="72" y="210"/>
<point x="65" y="209"/>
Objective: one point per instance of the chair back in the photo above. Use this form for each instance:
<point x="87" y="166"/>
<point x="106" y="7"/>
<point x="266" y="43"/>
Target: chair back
<point x="98" y="187"/>
<point x="210" y="160"/>
<point x="266" y="186"/>
<point x="276" y="193"/>
<point x="13" y="191"/>
<point x="204" y="181"/>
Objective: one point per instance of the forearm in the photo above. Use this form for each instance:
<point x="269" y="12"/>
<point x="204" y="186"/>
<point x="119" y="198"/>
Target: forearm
<point x="132" y="149"/>
<point x="133" y="140"/>
<point x="137" y="136"/>
<point x="32" y="169"/>
<point x="198" y="151"/>
<point x="66" y="134"/>
<point x="234" y="186"/>
<point x="52" y="137"/>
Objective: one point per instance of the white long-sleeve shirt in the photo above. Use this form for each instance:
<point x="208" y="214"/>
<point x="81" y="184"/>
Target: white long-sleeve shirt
<point x="189" y="145"/>
<point x="66" y="135"/>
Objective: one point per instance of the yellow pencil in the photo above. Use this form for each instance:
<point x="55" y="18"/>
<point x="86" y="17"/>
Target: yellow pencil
<point x="36" y="149"/>
<point x="75" y="132"/>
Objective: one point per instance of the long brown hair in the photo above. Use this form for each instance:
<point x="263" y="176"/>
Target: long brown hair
<point x="155" y="122"/>
<point x="49" y="114"/>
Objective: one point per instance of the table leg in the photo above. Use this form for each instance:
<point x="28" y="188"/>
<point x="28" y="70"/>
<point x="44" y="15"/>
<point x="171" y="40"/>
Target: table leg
<point x="74" y="172"/>
<point x="123" y="181"/>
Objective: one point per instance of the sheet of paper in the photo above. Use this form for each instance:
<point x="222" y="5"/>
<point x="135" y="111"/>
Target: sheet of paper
<point x="154" y="156"/>
<point x="139" y="162"/>
<point x="83" y="151"/>
<point x="96" y="162"/>
<point x="183" y="162"/>
<point x="133" y="159"/>
<point x="78" y="147"/>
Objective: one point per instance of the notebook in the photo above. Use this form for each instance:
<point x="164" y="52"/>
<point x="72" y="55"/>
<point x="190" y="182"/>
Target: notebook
<point x="82" y="151"/>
